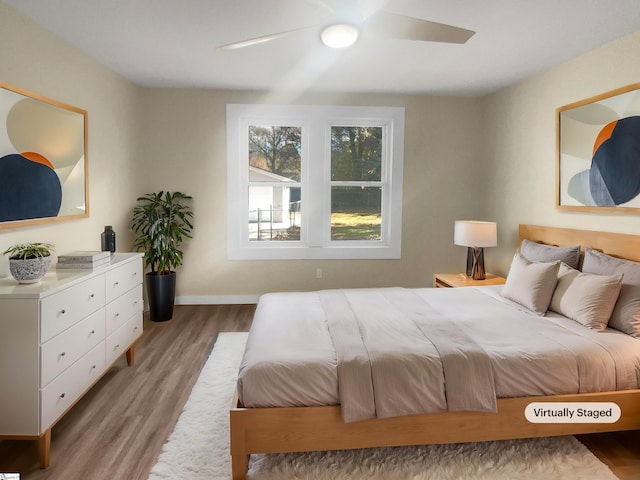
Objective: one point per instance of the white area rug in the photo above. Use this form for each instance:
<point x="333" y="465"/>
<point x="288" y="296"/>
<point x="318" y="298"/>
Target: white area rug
<point x="198" y="449"/>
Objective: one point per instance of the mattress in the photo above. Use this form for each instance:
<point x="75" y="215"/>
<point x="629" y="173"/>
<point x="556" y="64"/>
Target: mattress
<point x="297" y="344"/>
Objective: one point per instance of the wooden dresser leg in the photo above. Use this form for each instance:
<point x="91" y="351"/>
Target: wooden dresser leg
<point x="239" y="466"/>
<point x="44" y="448"/>
<point x="131" y="354"/>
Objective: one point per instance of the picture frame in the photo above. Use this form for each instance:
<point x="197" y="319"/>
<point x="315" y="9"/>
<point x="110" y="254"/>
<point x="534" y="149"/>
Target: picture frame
<point x="598" y="153"/>
<point x="43" y="159"/>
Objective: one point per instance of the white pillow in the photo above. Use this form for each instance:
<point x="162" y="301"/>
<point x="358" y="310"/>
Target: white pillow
<point x="586" y="298"/>
<point x="626" y="314"/>
<point x="531" y="284"/>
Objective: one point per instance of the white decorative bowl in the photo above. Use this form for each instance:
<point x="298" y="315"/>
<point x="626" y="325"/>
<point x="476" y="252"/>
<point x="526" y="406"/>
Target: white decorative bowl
<point x="30" y="270"/>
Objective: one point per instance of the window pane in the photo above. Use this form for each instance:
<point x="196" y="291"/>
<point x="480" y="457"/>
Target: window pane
<point x="356" y="153"/>
<point x="356" y="213"/>
<point x="351" y="153"/>
<point x="274" y="213"/>
<point x="274" y="153"/>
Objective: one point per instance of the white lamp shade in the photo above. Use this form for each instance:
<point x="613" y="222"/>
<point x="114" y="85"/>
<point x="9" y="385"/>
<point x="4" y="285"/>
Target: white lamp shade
<point x="471" y="233"/>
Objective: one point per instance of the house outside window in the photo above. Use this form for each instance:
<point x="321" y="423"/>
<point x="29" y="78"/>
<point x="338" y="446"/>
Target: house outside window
<point x="314" y="181"/>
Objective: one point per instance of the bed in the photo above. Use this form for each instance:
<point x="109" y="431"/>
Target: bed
<point x="283" y="416"/>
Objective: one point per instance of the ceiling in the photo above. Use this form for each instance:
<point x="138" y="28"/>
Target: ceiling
<point x="172" y="43"/>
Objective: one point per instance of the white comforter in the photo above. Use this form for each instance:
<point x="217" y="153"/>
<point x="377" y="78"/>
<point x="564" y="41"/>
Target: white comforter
<point x="397" y="366"/>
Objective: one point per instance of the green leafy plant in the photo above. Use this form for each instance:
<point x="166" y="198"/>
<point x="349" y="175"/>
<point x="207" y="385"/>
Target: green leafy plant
<point x="29" y="250"/>
<point x="161" y="222"/>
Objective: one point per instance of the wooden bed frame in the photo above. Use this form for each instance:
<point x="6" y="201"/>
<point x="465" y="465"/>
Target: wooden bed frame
<point x="298" y="429"/>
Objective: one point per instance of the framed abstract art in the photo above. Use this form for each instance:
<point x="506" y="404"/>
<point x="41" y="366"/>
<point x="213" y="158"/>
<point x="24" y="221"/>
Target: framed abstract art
<point x="598" y="158"/>
<point x="43" y="159"/>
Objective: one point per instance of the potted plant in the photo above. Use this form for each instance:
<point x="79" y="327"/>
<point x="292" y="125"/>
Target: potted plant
<point x="161" y="221"/>
<point x="29" y="262"/>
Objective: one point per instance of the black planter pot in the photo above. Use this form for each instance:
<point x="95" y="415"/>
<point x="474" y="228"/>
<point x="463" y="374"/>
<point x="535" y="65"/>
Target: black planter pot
<point x="161" y="293"/>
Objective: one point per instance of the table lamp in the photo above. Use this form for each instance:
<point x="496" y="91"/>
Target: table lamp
<point x="475" y="235"/>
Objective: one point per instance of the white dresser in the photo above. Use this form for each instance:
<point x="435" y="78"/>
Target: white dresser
<point x="58" y="337"/>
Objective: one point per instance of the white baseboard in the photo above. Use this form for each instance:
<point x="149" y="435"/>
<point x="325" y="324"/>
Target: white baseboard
<point x="217" y="300"/>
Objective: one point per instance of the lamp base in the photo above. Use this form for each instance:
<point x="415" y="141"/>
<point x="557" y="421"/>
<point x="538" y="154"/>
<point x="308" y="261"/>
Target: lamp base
<point x="477" y="263"/>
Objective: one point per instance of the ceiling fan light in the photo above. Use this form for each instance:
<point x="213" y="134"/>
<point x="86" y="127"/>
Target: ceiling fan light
<point x="339" y="35"/>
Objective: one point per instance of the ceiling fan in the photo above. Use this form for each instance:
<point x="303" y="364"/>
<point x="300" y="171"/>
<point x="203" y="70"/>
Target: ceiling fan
<point x="352" y="20"/>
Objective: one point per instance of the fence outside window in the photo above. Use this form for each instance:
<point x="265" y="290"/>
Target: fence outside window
<point x="275" y="223"/>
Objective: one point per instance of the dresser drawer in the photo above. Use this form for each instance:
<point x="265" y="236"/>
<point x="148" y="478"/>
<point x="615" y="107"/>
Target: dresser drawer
<point x="63" y="350"/>
<point x="62" y="392"/>
<point x="121" y="279"/>
<point x="123" y="308"/>
<point x="121" y="340"/>
<point x="64" y="309"/>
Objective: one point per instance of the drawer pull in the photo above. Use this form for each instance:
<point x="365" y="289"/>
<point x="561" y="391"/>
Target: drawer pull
<point x="116" y="284"/>
<point x="93" y="332"/>
<point x="62" y="395"/>
<point x="92" y="295"/>
<point x="93" y="367"/>
<point x="63" y="311"/>
<point x="116" y="347"/>
<point x="63" y="354"/>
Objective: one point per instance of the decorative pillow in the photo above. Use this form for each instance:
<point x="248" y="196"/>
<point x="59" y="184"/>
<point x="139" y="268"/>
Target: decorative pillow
<point x="626" y="314"/>
<point x="586" y="298"/>
<point x="539" y="252"/>
<point x="531" y="284"/>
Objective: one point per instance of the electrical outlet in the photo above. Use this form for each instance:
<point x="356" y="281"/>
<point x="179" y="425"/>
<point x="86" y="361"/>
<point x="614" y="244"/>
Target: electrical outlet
<point x="318" y="273"/>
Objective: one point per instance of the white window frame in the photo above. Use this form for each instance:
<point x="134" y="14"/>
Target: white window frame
<point x="315" y="123"/>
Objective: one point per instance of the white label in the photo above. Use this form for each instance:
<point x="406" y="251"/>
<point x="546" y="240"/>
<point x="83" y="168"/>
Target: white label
<point x="572" y="412"/>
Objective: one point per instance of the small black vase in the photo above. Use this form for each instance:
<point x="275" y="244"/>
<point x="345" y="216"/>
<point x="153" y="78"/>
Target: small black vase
<point x="161" y="293"/>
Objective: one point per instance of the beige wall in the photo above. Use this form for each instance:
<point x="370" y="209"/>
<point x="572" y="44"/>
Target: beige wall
<point x="33" y="59"/>
<point x="489" y="158"/>
<point x="520" y="145"/>
<point x="184" y="132"/>
<point x="143" y="140"/>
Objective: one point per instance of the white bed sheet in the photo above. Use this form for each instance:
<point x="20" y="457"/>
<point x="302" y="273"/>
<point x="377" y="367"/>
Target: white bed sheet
<point x="290" y="359"/>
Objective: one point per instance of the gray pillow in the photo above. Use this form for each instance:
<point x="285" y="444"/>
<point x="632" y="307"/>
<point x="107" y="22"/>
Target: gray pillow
<point x="539" y="252"/>
<point x="587" y="298"/>
<point x="531" y="284"/>
<point x="626" y="314"/>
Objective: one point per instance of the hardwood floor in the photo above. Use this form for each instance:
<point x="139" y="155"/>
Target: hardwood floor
<point x="117" y="430"/>
<point x="619" y="450"/>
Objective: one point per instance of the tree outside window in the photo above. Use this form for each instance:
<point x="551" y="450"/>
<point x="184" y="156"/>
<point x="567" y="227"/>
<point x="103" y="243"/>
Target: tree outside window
<point x="356" y="191"/>
<point x="314" y="181"/>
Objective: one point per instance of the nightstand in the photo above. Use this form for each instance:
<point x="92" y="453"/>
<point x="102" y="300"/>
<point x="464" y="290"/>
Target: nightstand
<point x="454" y="280"/>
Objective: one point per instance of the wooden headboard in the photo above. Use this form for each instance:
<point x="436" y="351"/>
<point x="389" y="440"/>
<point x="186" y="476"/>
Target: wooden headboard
<point x="620" y="245"/>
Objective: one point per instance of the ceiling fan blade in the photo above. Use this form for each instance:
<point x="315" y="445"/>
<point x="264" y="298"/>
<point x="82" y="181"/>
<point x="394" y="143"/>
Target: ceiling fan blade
<point x="408" y="28"/>
<point x="255" y="41"/>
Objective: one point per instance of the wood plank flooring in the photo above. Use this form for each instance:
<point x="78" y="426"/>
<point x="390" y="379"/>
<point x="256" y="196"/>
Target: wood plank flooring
<point x="117" y="430"/>
<point x="619" y="450"/>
